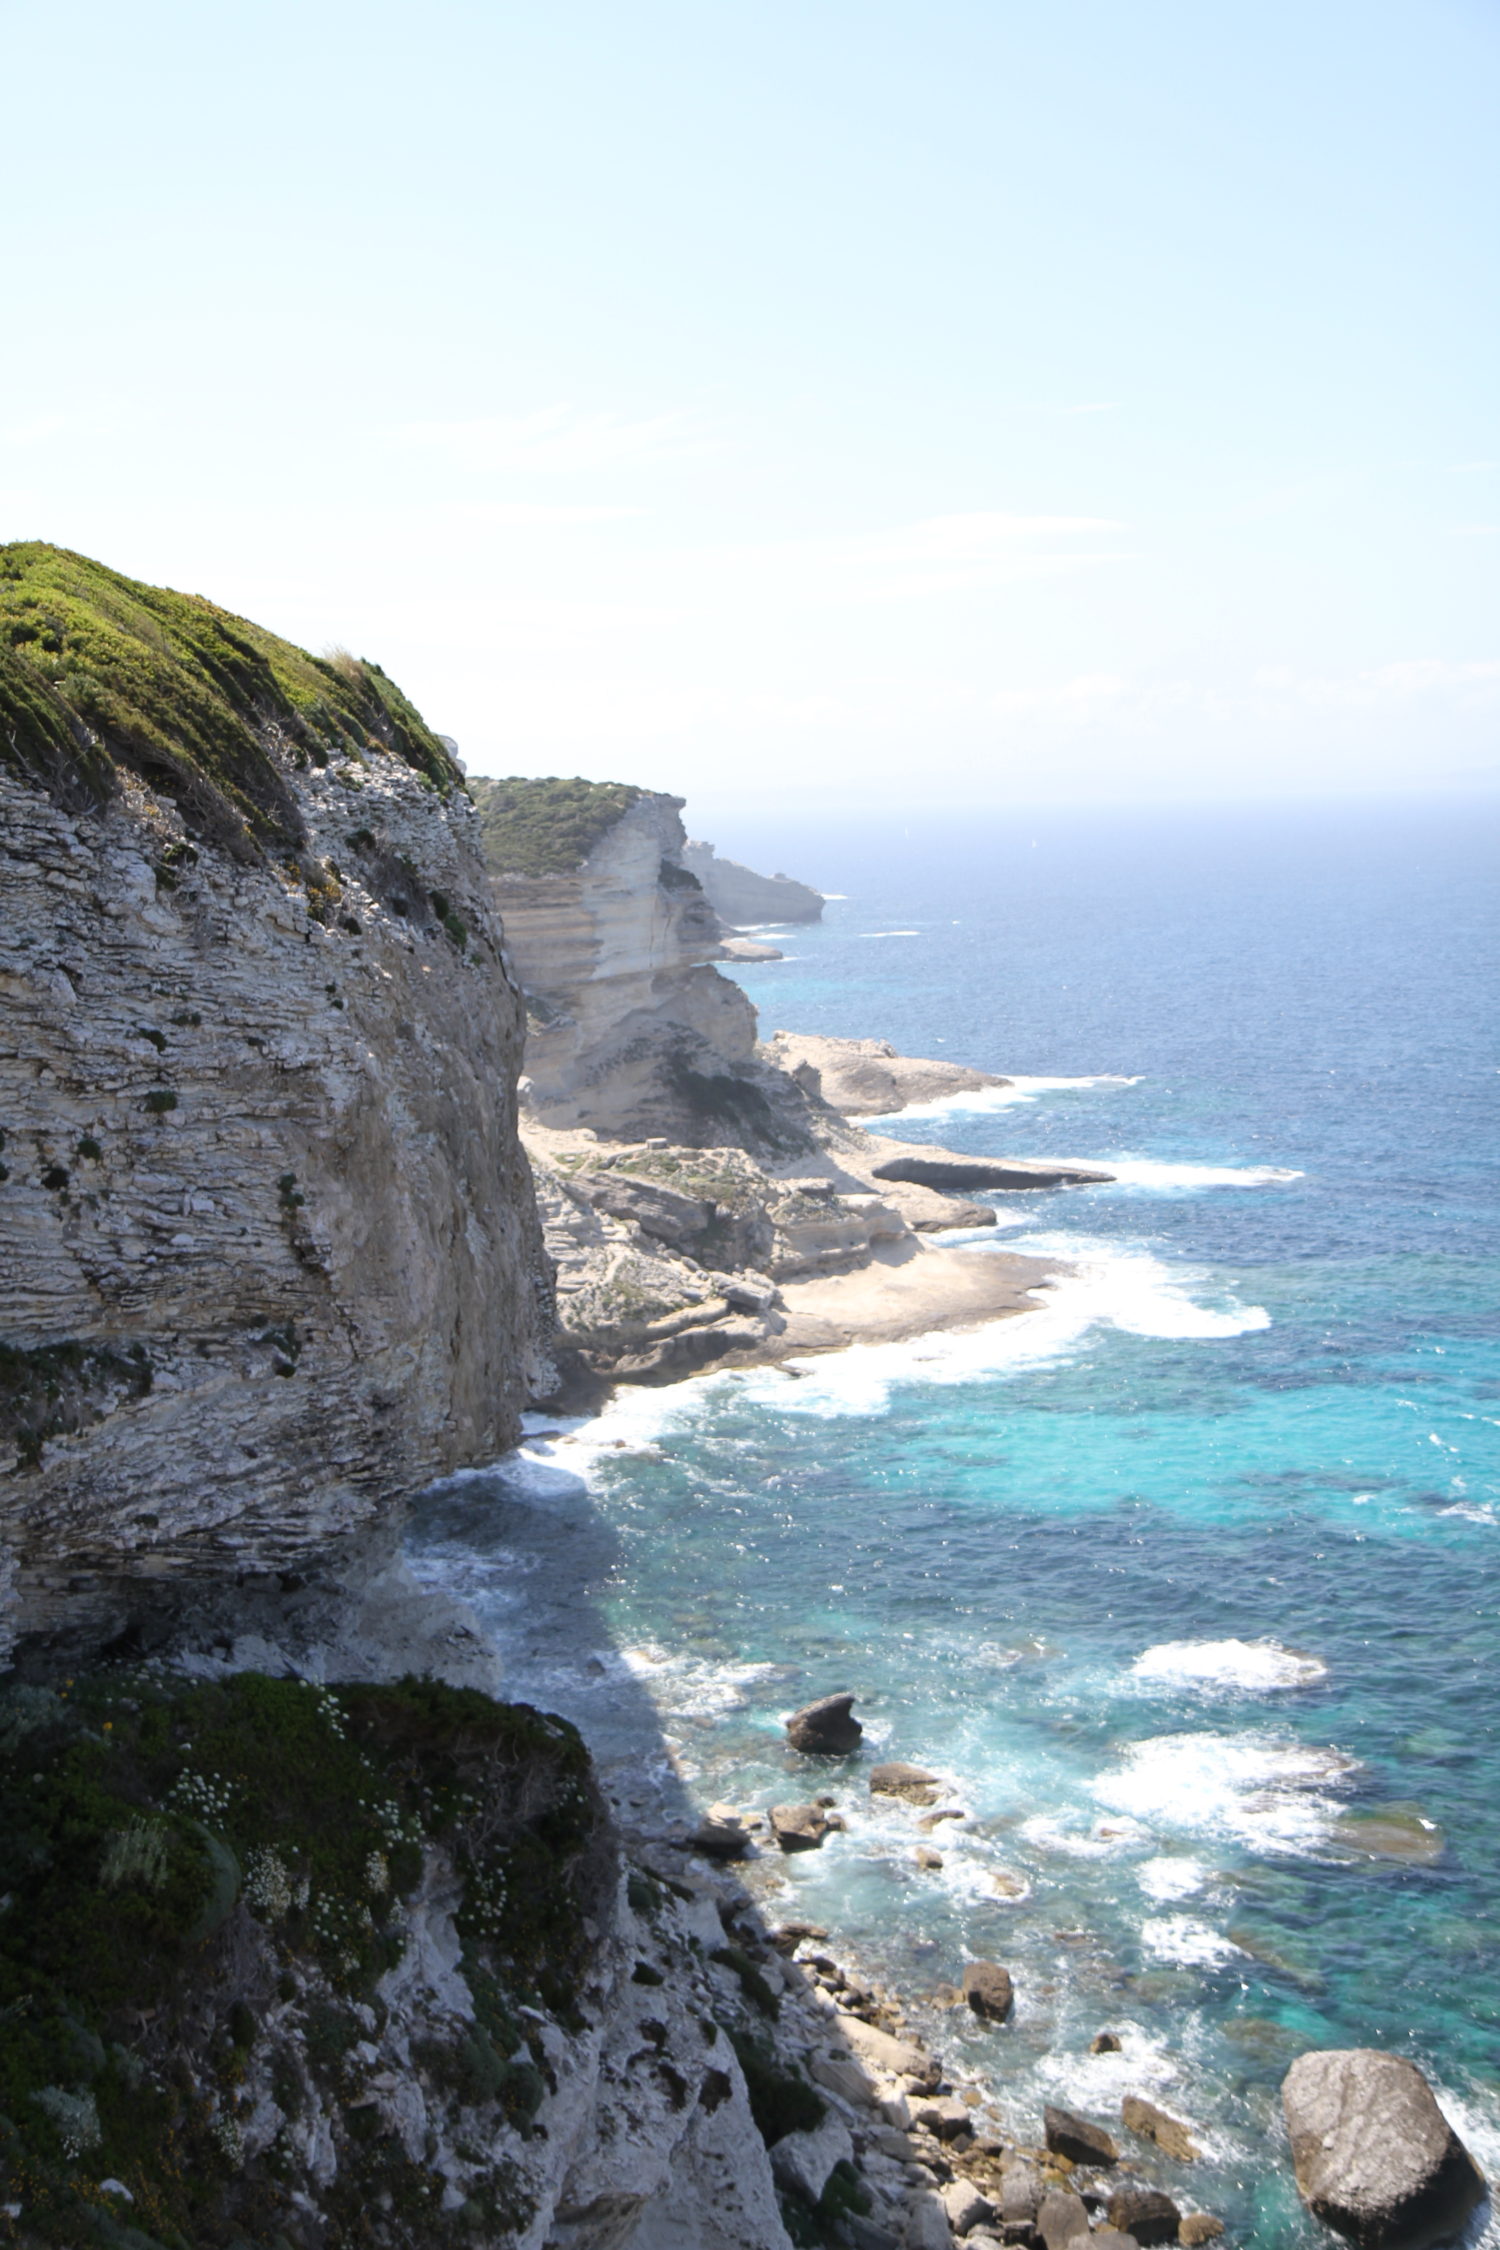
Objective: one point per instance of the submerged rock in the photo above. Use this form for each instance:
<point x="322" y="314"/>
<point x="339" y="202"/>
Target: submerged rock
<point x="1374" y="2155"/>
<point x="1171" y="2137"/>
<point x="827" y="1728"/>
<point x="897" y="1779"/>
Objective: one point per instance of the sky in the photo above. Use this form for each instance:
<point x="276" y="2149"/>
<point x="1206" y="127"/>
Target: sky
<point x="840" y="403"/>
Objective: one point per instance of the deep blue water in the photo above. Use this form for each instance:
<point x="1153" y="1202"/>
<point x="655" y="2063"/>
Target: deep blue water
<point x="1263" y="1411"/>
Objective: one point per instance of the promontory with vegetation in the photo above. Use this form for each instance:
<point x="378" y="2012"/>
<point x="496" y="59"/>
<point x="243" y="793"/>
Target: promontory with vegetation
<point x="346" y="1111"/>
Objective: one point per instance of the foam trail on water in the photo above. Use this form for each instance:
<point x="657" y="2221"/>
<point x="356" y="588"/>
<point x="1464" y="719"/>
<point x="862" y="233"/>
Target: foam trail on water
<point x="1227" y="1667"/>
<point x="986" y="1098"/>
<point x="1267" y="1792"/>
<point x="1166" y="1178"/>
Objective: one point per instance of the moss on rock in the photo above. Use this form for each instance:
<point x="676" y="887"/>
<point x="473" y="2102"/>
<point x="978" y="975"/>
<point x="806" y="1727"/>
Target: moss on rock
<point x="201" y="1888"/>
<point x="100" y="673"/>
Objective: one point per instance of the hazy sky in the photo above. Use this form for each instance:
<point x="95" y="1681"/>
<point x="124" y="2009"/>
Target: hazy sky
<point x="955" y="399"/>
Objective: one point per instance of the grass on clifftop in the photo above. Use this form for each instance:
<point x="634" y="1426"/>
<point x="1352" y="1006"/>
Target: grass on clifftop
<point x="99" y="672"/>
<point x="546" y="827"/>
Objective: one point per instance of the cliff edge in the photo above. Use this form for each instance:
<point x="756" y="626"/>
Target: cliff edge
<point x="739" y="896"/>
<point x="271" y="1260"/>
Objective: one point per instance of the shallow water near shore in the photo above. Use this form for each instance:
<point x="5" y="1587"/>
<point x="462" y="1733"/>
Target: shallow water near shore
<point x="1185" y="1583"/>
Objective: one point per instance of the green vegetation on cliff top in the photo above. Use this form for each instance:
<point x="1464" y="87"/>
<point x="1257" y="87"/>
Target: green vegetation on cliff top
<point x="546" y="827"/>
<point x="99" y="672"/>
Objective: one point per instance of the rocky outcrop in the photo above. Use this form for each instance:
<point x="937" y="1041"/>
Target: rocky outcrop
<point x="867" y="1078"/>
<point x="988" y="1989"/>
<point x="1169" y="2133"/>
<point x="739" y="896"/>
<point x="270" y="1260"/>
<point x="631" y="1031"/>
<point x="1374" y="2155"/>
<point x="944" y="1169"/>
<point x="825" y="1729"/>
<point x="1078" y="2138"/>
<point x="445" y="2008"/>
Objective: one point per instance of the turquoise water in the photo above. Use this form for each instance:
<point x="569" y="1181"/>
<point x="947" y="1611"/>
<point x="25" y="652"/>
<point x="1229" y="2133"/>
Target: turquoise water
<point x="1181" y="1581"/>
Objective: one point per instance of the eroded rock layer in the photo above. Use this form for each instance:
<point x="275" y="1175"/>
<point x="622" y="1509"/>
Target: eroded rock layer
<point x="270" y="1252"/>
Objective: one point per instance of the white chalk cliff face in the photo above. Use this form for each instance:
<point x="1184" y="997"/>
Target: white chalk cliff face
<point x="630" y="1028"/>
<point x="270" y="1252"/>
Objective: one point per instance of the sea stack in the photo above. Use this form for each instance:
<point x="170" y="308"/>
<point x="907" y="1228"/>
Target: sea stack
<point x="826" y="1729"/>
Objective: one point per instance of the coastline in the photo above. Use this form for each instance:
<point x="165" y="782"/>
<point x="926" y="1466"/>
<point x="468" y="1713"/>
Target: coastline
<point x="907" y="1289"/>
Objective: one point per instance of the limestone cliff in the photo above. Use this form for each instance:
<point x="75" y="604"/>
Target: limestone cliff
<point x="739" y="896"/>
<point x="270" y="1259"/>
<point x="630" y="1028"/>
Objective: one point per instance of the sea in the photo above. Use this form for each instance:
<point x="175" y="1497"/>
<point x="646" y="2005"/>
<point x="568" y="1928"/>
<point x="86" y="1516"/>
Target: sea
<point x="1186" y="1582"/>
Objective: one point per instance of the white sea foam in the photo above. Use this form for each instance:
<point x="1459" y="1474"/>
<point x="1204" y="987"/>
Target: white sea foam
<point x="1267" y="1791"/>
<point x="1166" y="1178"/>
<point x="1165" y="1878"/>
<point x="986" y="1098"/>
<point x="888" y="933"/>
<point x="1474" y="2115"/>
<point x="1054" y="1832"/>
<point x="1227" y="1667"/>
<point x="1108" y="1286"/>
<point x="1188" y="1943"/>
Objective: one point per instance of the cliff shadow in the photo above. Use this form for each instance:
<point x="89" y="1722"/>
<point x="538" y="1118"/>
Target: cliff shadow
<point x="524" y="1546"/>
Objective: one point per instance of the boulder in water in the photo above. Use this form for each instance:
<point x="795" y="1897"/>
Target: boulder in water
<point x="989" y="1991"/>
<point x="798" y="1828"/>
<point x="1074" y="2137"/>
<point x="1374" y="2155"/>
<point x="1198" y="2227"/>
<point x="827" y="1728"/>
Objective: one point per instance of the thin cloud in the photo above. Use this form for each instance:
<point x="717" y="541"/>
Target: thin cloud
<point x="556" y="440"/>
<point x="934" y="555"/>
<point x="980" y="537"/>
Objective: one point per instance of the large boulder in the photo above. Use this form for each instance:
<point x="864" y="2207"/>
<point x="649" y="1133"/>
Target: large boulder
<point x="883" y="2052"/>
<point x="1146" y="2213"/>
<point x="798" y="1828"/>
<point x="1374" y="2155"/>
<point x="803" y="2161"/>
<point x="826" y="1729"/>
<point x="1073" y="2136"/>
<point x="989" y="1991"/>
<point x="1062" y="2219"/>
<point x="964" y="2206"/>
